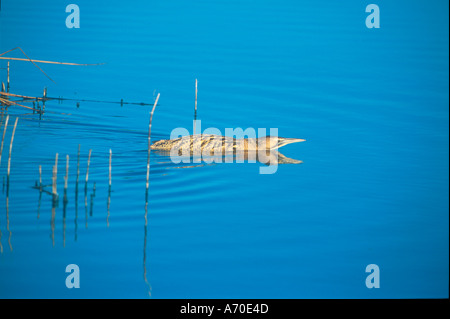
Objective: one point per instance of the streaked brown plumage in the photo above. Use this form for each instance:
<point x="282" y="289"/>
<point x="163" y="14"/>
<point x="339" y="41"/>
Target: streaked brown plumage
<point x="217" y="144"/>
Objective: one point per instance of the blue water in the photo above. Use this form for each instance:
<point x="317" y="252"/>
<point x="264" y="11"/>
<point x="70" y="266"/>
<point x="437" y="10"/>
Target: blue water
<point x="373" y="187"/>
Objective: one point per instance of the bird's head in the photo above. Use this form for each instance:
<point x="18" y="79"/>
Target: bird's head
<point x="275" y="142"/>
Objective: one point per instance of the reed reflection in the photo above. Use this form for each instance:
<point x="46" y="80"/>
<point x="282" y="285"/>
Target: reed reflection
<point x="149" y="287"/>
<point x="7" y="217"/>
<point x="76" y="193"/>
<point x="52" y="221"/>
<point x="108" y="206"/>
<point x="76" y="211"/>
<point x="91" y="202"/>
<point x="51" y="190"/>
<point x="65" y="201"/>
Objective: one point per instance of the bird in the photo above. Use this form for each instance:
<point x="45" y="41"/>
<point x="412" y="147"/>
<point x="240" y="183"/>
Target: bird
<point x="215" y="144"/>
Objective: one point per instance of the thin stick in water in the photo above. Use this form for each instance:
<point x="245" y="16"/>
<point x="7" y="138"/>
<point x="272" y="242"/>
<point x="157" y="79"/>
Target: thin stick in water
<point x="10" y="146"/>
<point x="149" y="139"/>
<point x="89" y="161"/>
<point x="50" y="62"/>
<point x="38" y="61"/>
<point x="195" y="112"/>
<point x="66" y="178"/>
<point x="44" y="98"/>
<point x="55" y="175"/>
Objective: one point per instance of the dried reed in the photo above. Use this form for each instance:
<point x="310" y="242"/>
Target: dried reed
<point x="10" y="146"/>
<point x="87" y="170"/>
<point x="149" y="139"/>
<point x="54" y="179"/>
<point x="37" y="61"/>
<point x="195" y="111"/>
<point x="66" y="178"/>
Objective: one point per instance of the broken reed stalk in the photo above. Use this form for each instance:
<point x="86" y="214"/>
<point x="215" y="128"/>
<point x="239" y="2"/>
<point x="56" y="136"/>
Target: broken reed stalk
<point x="49" y="62"/>
<point x="37" y="61"/>
<point x="10" y="146"/>
<point x="26" y="97"/>
<point x="110" y="159"/>
<point x="87" y="170"/>
<point x="55" y="175"/>
<point x="3" y="138"/>
<point x="8" y="102"/>
<point x="149" y="139"/>
<point x="195" y="112"/>
<point x="66" y="178"/>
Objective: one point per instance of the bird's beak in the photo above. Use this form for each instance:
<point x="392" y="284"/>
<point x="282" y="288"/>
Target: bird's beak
<point x="286" y="141"/>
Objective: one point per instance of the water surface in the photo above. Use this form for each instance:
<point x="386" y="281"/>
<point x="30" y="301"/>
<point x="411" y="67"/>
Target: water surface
<point x="372" y="188"/>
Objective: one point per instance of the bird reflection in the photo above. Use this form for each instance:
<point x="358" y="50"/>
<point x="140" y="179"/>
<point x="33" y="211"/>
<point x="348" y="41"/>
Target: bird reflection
<point x="269" y="157"/>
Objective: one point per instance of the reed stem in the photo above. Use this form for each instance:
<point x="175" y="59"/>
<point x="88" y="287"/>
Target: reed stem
<point x="26" y="97"/>
<point x="10" y="146"/>
<point x="49" y="62"/>
<point x="44" y="98"/>
<point x="55" y="175"/>
<point x="149" y="140"/>
<point x="37" y="61"/>
<point x="89" y="161"/>
<point x="66" y="178"/>
<point x="195" y="112"/>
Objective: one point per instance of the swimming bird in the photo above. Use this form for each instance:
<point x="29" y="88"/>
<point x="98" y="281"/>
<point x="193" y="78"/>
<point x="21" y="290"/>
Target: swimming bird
<point x="214" y="144"/>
